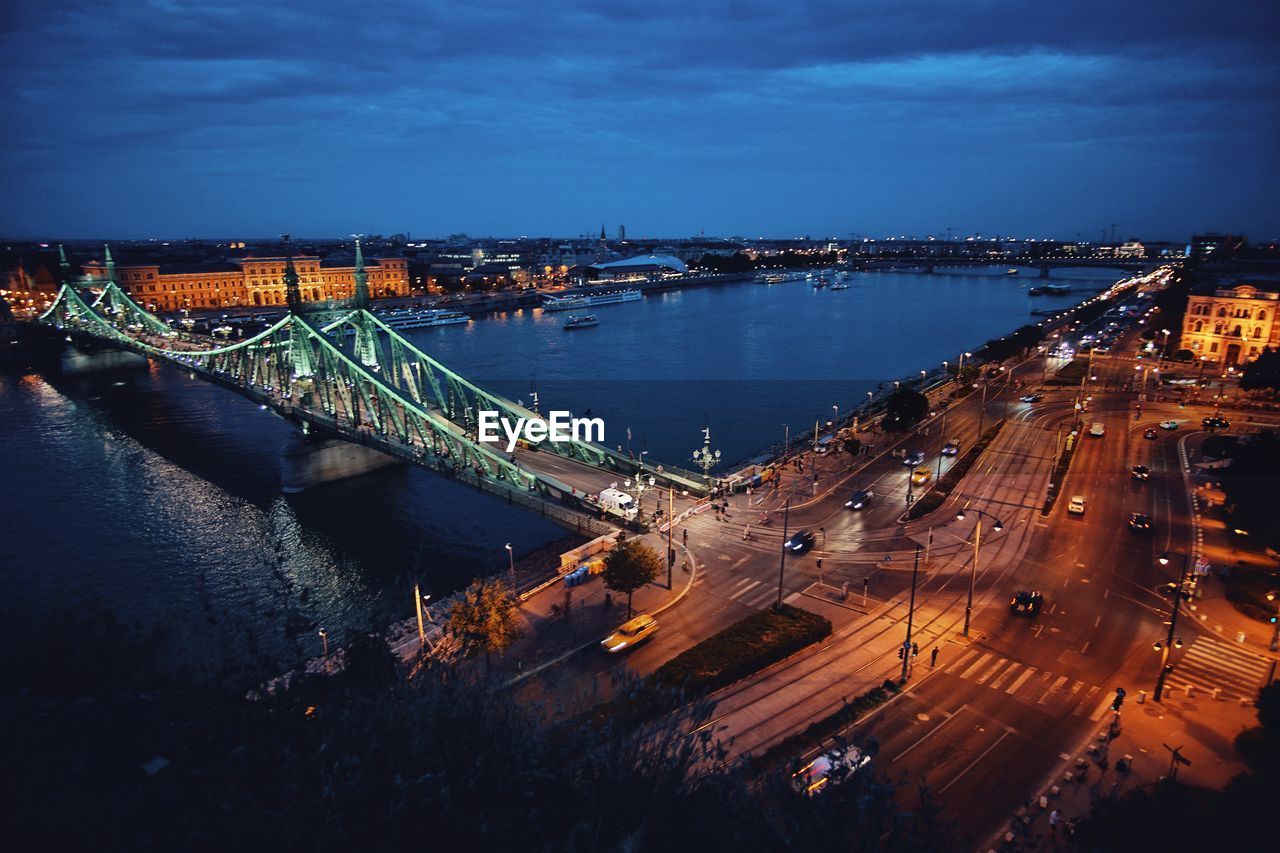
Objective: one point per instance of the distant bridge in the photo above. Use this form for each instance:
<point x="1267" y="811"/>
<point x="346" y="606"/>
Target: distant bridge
<point x="1043" y="265"/>
<point x="358" y="379"/>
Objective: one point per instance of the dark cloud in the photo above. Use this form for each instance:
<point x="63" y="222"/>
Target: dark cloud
<point x="868" y="116"/>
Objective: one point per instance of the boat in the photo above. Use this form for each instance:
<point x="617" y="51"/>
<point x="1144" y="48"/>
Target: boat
<point x="840" y="286"/>
<point x="422" y="318"/>
<point x="589" y="300"/>
<point x="580" y="321"/>
<point x="773" y="277"/>
<point x="1011" y="271"/>
<point x="1055" y="289"/>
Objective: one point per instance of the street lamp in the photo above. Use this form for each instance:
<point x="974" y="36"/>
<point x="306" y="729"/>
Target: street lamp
<point x="996" y="527"/>
<point x="1275" y="620"/>
<point x="324" y="638"/>
<point x="705" y="458"/>
<point x="511" y="564"/>
<point x="1179" y="592"/>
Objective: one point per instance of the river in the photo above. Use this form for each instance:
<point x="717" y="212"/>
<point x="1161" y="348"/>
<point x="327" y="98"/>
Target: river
<point x="155" y="497"/>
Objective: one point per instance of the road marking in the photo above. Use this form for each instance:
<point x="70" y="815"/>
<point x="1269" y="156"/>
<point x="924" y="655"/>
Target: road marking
<point x="740" y="562"/>
<point x="737" y="588"/>
<point x="1039" y="628"/>
<point x="1102" y="708"/>
<point x="1062" y="679"/>
<point x="979" y="662"/>
<point x="1085" y="649"/>
<point x="930" y="733"/>
<point x="790" y="598"/>
<point x="1004" y="676"/>
<point x="1097" y="622"/>
<point x="983" y="678"/>
<point x="1022" y="679"/>
<point x="975" y="761"/>
<point x="962" y="659"/>
<point x="737" y="596"/>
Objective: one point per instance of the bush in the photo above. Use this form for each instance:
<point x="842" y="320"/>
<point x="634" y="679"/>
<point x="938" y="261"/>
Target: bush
<point x="746" y="646"/>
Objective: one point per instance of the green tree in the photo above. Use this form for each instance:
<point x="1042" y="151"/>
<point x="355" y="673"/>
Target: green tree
<point x="1263" y="373"/>
<point x="903" y="409"/>
<point x="630" y="566"/>
<point x="484" y="619"/>
<point x="852" y="446"/>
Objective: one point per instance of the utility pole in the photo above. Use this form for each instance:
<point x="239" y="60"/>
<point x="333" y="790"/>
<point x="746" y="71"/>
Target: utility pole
<point x="1165" y="666"/>
<point x="911" y="612"/>
<point x="782" y="559"/>
<point x="671" y="529"/>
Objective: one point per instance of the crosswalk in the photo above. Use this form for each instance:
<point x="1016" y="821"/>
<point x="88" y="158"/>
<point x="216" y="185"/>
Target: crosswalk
<point x="752" y="592"/>
<point x="1028" y="683"/>
<point x="1209" y="664"/>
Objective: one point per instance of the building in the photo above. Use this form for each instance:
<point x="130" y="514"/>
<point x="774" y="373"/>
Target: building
<point x="256" y="282"/>
<point x="1232" y="325"/>
<point x="639" y="268"/>
<point x="1217" y="248"/>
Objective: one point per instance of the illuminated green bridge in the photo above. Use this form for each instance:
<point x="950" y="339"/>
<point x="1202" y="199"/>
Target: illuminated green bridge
<point x="358" y="379"/>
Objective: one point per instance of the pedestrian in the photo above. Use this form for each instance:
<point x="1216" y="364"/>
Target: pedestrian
<point x="819" y="564"/>
<point x="933" y="657"/>
<point x="1055" y="818"/>
<point x="685" y="537"/>
<point x="746" y="532"/>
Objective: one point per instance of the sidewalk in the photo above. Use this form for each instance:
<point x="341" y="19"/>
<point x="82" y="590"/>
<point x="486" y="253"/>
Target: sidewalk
<point x="1202" y="728"/>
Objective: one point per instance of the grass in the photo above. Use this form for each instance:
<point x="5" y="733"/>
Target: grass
<point x="1071" y="373"/>
<point x="746" y="646"/>
<point x="937" y="495"/>
<point x="1247" y="590"/>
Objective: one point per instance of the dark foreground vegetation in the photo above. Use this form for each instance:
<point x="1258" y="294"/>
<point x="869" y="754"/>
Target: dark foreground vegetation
<point x="103" y="755"/>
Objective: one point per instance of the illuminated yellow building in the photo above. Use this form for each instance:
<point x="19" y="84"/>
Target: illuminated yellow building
<point x="256" y="282"/>
<point x="1231" y="326"/>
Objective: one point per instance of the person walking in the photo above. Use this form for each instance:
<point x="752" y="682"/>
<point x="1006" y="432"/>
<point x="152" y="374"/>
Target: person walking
<point x="933" y="657"/>
<point x="685" y="537"/>
<point x="1055" y="818"/>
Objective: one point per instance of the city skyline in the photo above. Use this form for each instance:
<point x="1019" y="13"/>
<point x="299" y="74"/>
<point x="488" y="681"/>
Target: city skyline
<point x="735" y="119"/>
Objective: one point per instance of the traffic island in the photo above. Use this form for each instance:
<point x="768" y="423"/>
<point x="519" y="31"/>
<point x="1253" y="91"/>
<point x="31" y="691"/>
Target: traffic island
<point x="819" y="731"/>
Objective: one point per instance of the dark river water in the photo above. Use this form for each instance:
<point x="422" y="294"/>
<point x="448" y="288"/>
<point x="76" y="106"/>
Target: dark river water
<point x="156" y="497"/>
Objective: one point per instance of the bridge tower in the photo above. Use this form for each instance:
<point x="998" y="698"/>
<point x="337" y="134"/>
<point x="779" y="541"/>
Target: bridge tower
<point x="64" y="267"/>
<point x="292" y="295"/>
<point x="366" y="333"/>
<point x="111" y="263"/>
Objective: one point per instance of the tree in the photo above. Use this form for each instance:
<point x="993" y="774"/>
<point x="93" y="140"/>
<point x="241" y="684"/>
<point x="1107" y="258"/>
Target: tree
<point x="484" y="619"/>
<point x="630" y="566"/>
<point x="852" y="446"/>
<point x="1263" y="373"/>
<point x="903" y="409"/>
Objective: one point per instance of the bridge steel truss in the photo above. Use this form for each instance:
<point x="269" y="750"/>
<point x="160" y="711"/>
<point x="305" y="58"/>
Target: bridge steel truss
<point x="393" y="397"/>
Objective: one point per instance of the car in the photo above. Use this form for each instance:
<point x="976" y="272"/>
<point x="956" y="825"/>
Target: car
<point x="838" y="764"/>
<point x="951" y="448"/>
<point x="1139" y="522"/>
<point x="1140" y="472"/>
<point x="1027" y="602"/>
<point x="1214" y="422"/>
<point x="800" y="541"/>
<point x="1097" y="429"/>
<point x="860" y="498"/>
<point x="920" y="476"/>
<point x="1076" y="505"/>
<point x="1031" y="398"/>
<point x="630" y="633"/>
<point x="1150" y="434"/>
<point x="915" y="457"/>
<point x="1168" y="425"/>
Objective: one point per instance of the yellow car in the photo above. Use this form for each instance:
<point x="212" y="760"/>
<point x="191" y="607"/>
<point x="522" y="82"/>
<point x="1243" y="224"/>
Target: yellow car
<point x="632" y="632"/>
<point x="920" y="476"/>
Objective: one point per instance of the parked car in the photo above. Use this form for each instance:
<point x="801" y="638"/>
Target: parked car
<point x="1076" y="505"/>
<point x="630" y="633"/>
<point x="1139" y="522"/>
<point x="860" y="498"/>
<point x="838" y="764"/>
<point x="800" y="541"/>
<point x="1027" y="602"/>
<point x="951" y="448"/>
<point x="1140" y="472"/>
<point x="920" y="476"/>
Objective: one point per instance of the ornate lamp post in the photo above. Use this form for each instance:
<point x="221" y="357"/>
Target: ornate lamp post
<point x="706" y="458"/>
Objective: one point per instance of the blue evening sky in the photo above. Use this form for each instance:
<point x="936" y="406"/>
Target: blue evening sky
<point x="169" y="118"/>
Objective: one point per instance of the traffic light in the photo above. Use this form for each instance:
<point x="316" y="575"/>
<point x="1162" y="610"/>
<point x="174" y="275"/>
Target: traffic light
<point x="915" y="649"/>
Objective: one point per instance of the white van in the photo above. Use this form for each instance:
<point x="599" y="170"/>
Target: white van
<point x="620" y="502"/>
<point x="1097" y="430"/>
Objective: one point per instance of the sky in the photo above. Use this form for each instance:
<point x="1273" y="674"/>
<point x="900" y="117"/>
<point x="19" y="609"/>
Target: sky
<point x="172" y="119"/>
